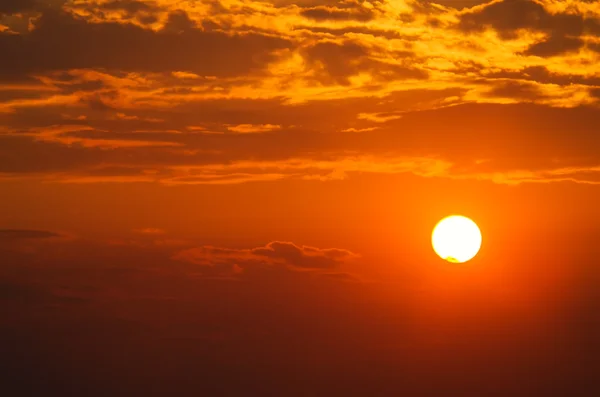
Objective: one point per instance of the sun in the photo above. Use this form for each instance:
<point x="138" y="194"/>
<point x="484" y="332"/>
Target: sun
<point x="456" y="239"/>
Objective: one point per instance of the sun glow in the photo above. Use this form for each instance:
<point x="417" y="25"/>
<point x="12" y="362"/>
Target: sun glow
<point x="456" y="239"/>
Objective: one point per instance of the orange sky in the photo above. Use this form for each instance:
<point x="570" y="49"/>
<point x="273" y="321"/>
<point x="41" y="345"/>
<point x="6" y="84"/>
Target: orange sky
<point x="235" y="198"/>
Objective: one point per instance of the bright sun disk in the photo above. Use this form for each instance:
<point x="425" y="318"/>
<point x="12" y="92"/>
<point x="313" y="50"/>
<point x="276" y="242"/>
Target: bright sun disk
<point x="456" y="239"/>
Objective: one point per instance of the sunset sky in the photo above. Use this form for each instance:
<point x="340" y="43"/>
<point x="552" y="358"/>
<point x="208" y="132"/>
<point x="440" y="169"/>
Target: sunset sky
<point x="236" y="197"/>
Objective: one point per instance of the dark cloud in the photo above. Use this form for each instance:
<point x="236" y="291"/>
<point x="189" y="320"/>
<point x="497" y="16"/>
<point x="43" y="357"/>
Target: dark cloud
<point x="274" y="253"/>
<point x="347" y="30"/>
<point x="541" y="74"/>
<point x="123" y="46"/>
<point x="19" y="234"/>
<point x="130" y="6"/>
<point x="460" y="3"/>
<point x="34" y="294"/>
<point x="179" y="22"/>
<point x="554" y="45"/>
<point x="303" y="257"/>
<point x="52" y="156"/>
<point x="146" y="12"/>
<point x="518" y="137"/>
<point x="335" y="63"/>
<point x="9" y="7"/>
<point x="14" y="6"/>
<point x="516" y="89"/>
<point x="322" y="13"/>
<point x="509" y="16"/>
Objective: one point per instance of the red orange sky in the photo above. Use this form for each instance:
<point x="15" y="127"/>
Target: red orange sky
<point x="235" y="198"/>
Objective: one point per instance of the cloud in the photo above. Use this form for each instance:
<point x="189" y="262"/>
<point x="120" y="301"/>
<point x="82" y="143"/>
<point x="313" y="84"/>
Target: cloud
<point x="324" y="13"/>
<point x="22" y="234"/>
<point x="379" y="117"/>
<point x="285" y="55"/>
<point x="132" y="7"/>
<point x="443" y="142"/>
<point x="149" y="231"/>
<point x="85" y="136"/>
<point x="185" y="75"/>
<point x="276" y="253"/>
<point x="460" y="3"/>
<point x="336" y="63"/>
<point x="563" y="31"/>
<point x="555" y="45"/>
<point x="30" y="293"/>
<point x="14" y="6"/>
<point x="252" y="129"/>
<point x="542" y="74"/>
<point x="178" y="46"/>
<point x="215" y="94"/>
<point x="515" y="89"/>
<point x="304" y="256"/>
<point x="342" y="277"/>
<point x="55" y="268"/>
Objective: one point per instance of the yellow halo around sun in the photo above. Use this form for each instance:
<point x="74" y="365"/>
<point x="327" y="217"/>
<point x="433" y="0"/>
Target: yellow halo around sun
<point x="456" y="239"/>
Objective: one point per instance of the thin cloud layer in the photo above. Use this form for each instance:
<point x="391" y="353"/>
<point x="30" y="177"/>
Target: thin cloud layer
<point x="149" y="251"/>
<point x="21" y="234"/>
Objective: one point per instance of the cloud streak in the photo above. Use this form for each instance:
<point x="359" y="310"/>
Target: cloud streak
<point x="230" y="261"/>
<point x="22" y="234"/>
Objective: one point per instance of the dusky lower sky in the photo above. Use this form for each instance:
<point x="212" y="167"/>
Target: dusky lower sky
<point x="236" y="198"/>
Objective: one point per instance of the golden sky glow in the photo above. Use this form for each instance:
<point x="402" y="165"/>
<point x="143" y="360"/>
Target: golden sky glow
<point x="282" y="68"/>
